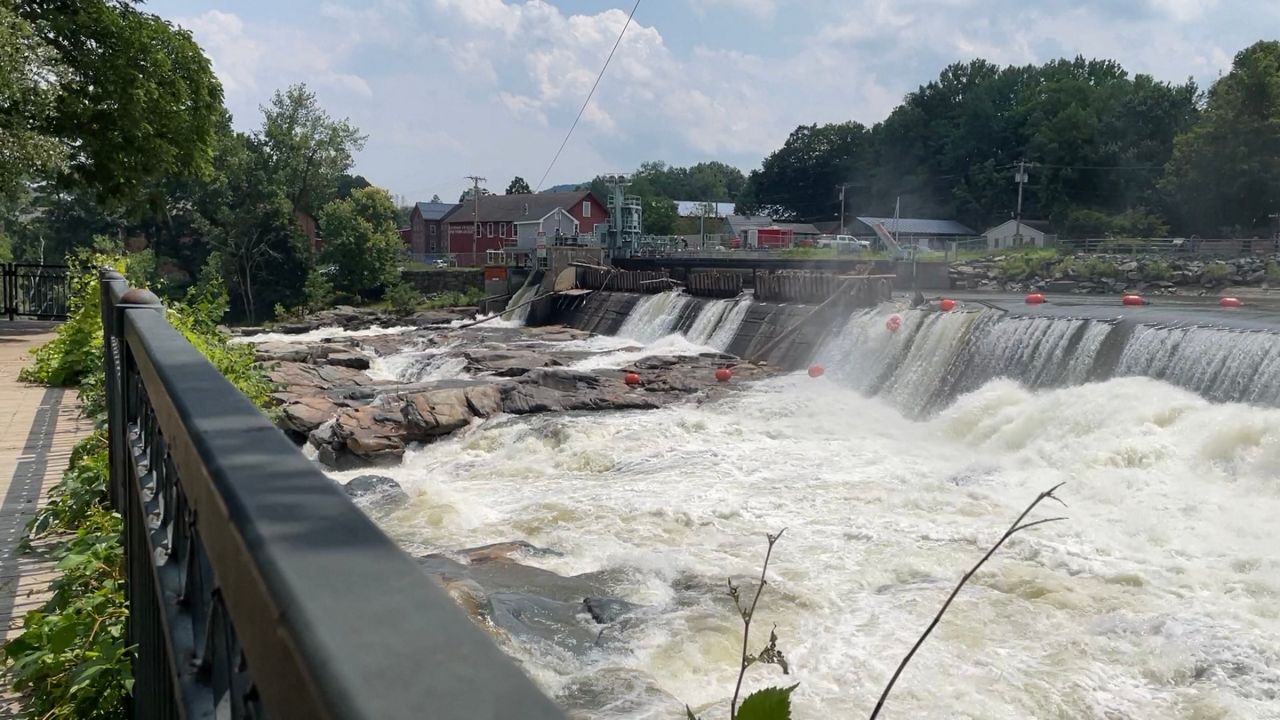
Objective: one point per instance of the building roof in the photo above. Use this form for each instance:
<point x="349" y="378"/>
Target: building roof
<point x="434" y="211"/>
<point x="1041" y="226"/>
<point x="738" y="223"/>
<point x="518" y="208"/>
<point x="799" y="228"/>
<point x="693" y="208"/>
<point x="919" y="226"/>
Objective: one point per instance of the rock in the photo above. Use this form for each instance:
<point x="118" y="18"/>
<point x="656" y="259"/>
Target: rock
<point x="281" y="352"/>
<point x="377" y="491"/>
<point x="353" y="360"/>
<point x="316" y="379"/>
<point x="431" y="317"/>
<point x="606" y="611"/>
<point x="1061" y="286"/>
<point x="503" y="551"/>
<point x="617" y="693"/>
<point x="508" y="363"/>
<point x="429" y="415"/>
<point x="306" y="414"/>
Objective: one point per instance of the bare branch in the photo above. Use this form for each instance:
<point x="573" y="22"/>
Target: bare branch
<point x="747" y="658"/>
<point x="1016" y="527"/>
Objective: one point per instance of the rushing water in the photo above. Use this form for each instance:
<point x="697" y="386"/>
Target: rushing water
<point x="1158" y="598"/>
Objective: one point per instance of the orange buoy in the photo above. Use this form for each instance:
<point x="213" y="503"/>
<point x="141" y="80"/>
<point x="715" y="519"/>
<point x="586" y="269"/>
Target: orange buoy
<point x="947" y="305"/>
<point x="893" y="324"/>
<point x="1132" y="300"/>
<point x="1230" y="302"/>
<point x="631" y="379"/>
<point x="724" y="374"/>
<point x="816" y="371"/>
<point x="1035" y="299"/>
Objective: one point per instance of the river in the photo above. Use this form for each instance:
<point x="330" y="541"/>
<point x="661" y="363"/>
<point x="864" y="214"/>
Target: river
<point x="1159" y="597"/>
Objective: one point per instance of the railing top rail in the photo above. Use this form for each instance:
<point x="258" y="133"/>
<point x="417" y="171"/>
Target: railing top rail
<point x="335" y="620"/>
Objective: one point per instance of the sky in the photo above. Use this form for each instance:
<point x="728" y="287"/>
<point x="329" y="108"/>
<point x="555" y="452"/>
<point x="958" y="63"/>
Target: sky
<point x="450" y="88"/>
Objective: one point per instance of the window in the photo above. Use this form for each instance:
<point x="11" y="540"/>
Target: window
<point x="488" y="229"/>
<point x="433" y="229"/>
<point x="502" y="229"/>
<point x="586" y="208"/>
<point x="526" y="208"/>
<point x="514" y="229"/>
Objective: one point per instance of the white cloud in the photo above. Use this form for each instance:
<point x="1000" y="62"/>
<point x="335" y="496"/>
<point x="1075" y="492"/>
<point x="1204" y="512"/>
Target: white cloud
<point x="761" y="9"/>
<point x="446" y="88"/>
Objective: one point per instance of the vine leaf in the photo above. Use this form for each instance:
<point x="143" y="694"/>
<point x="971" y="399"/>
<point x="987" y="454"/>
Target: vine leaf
<point x="769" y="704"/>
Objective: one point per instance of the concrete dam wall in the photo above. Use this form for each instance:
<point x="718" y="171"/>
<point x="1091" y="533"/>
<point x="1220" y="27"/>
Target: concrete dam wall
<point x="933" y="357"/>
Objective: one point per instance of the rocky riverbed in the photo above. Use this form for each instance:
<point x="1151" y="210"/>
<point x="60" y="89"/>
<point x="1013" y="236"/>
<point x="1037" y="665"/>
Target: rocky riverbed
<point x="1091" y="274"/>
<point x="360" y="389"/>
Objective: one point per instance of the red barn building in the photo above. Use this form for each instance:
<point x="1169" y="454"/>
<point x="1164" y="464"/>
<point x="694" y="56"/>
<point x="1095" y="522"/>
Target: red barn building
<point x="426" y="229"/>
<point x="499" y="215"/>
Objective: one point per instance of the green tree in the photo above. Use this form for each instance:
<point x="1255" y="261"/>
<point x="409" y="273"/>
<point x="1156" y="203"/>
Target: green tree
<point x="1224" y="175"/>
<point x="360" y="241"/>
<point x="249" y="225"/>
<point x="347" y="183"/>
<point x="518" y="186"/>
<point x="799" y="181"/>
<point x="30" y="74"/>
<point x="659" y="216"/>
<point x="308" y="150"/>
<point x="133" y="97"/>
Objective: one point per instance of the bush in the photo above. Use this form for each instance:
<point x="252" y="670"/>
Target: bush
<point x="1216" y="272"/>
<point x="1158" y="270"/>
<point x="1273" y="272"/>
<point x="1028" y="264"/>
<point x="70" y="657"/>
<point x="403" y="298"/>
<point x="453" y="299"/>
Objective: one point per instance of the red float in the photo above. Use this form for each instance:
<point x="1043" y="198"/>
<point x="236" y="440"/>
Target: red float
<point x="947" y="305"/>
<point x="1132" y="300"/>
<point x="893" y="324"/>
<point x="724" y="374"/>
<point x="1230" y="302"/>
<point x="631" y="379"/>
<point x="816" y="371"/>
<point x="1035" y="299"/>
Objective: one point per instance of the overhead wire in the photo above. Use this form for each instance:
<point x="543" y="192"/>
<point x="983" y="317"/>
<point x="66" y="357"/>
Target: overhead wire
<point x="589" y="96"/>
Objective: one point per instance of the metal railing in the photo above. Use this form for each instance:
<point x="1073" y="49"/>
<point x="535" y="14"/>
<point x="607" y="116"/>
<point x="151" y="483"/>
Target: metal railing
<point x="256" y="588"/>
<point x="36" y="291"/>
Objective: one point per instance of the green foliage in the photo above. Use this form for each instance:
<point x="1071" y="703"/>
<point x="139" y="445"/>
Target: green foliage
<point x="71" y="658"/>
<point x="1216" y="272"/>
<point x="318" y="290"/>
<point x="768" y="704"/>
<point x="132" y="94"/>
<point x="29" y="99"/>
<point x="1158" y="270"/>
<point x="1273" y="272"/>
<point x="453" y="299"/>
<point x="518" y="186"/>
<point x="1224" y="175"/>
<point x="1029" y="264"/>
<point x="361" y="244"/>
<point x="658" y="215"/>
<point x="308" y="150"/>
<point x="403" y="298"/>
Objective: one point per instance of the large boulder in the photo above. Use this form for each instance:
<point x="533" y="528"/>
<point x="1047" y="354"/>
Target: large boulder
<point x="301" y="378"/>
<point x="508" y="363"/>
<point x="377" y="492"/>
<point x="347" y="359"/>
<point x="431" y="414"/>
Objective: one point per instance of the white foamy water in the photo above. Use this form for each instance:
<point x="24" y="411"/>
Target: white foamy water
<point x="519" y="313"/>
<point x="324" y="333"/>
<point x="654" y="316"/>
<point x="673" y="344"/>
<point x="1159" y="598"/>
<point x="415" y="366"/>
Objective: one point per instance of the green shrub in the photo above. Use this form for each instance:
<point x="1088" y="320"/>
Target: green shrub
<point x="1028" y="264"/>
<point x="403" y="298"/>
<point x="1158" y="270"/>
<point x="1216" y="272"/>
<point x="453" y="299"/>
<point x="1273" y="272"/>
<point x="1098" y="268"/>
<point x="70" y="658"/>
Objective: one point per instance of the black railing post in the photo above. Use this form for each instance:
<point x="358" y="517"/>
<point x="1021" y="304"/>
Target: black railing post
<point x="10" y="292"/>
<point x="111" y="285"/>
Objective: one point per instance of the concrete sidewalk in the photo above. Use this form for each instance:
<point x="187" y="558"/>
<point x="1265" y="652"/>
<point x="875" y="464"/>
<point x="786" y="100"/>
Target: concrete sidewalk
<point x="38" y="428"/>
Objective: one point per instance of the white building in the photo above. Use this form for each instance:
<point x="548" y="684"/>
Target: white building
<point x="1006" y="234"/>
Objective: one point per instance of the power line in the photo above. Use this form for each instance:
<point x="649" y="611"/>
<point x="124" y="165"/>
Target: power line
<point x="589" y="95"/>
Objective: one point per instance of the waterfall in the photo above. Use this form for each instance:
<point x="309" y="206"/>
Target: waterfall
<point x="935" y="357"/>
<point x="708" y="320"/>
<point x="730" y="325"/>
<point x="1219" y="363"/>
<point x="520" y="314"/>
<point x="654" y="316"/>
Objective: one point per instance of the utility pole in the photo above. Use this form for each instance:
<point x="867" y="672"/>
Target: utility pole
<point x="475" y="211"/>
<point x="842" y="187"/>
<point x="1021" y="178"/>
